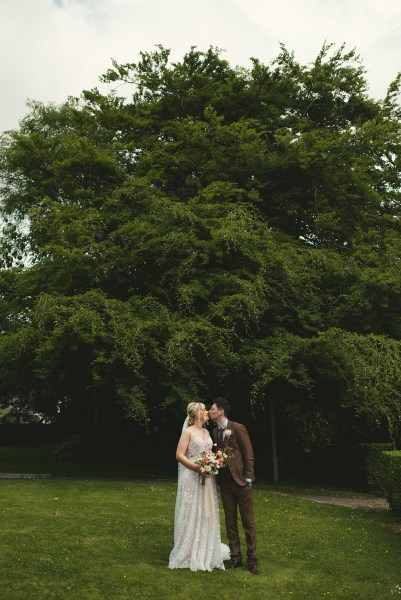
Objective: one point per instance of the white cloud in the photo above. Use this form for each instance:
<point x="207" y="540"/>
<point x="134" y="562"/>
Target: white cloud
<point x="55" y="48"/>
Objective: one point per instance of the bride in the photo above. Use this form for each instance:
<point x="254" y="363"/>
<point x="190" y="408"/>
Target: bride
<point x="197" y="542"/>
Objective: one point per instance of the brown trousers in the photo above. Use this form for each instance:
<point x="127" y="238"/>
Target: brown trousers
<point x="234" y="496"/>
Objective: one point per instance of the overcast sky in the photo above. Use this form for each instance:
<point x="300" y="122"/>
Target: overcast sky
<point x="51" y="49"/>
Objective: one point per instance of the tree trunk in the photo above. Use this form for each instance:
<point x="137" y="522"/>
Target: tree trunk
<point x="274" y="441"/>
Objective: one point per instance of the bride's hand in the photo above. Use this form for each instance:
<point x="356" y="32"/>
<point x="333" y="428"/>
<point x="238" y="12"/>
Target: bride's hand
<point x="199" y="470"/>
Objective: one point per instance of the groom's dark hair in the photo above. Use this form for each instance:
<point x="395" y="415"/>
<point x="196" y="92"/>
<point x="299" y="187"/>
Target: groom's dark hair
<point x="223" y="404"/>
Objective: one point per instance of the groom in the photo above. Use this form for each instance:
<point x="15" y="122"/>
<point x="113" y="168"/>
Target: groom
<point x="235" y="482"/>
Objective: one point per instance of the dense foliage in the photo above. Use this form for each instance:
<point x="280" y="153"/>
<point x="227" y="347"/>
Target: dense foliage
<point x="218" y="230"/>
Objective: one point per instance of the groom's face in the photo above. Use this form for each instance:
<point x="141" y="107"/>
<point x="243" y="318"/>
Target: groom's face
<point x="215" y="412"/>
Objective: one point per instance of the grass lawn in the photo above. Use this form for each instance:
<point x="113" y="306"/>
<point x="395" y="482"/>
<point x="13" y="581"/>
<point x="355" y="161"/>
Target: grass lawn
<point x="108" y="539"/>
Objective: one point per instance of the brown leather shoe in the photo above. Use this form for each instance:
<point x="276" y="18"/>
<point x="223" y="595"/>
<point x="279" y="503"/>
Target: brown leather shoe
<point x="253" y="568"/>
<point x="234" y="564"/>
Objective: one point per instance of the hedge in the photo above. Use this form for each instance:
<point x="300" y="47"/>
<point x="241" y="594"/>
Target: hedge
<point x="361" y="464"/>
<point x="386" y="472"/>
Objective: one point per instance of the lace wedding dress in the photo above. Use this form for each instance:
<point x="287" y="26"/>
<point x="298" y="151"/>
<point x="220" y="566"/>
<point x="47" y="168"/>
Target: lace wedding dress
<point x="197" y="542"/>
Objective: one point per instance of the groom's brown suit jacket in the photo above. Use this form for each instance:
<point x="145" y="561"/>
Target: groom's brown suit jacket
<point x="240" y="452"/>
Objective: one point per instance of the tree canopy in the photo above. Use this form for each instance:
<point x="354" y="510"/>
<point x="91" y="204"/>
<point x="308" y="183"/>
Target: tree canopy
<point x="217" y="230"/>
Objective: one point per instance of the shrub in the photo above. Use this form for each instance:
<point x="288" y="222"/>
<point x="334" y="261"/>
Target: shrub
<point x="360" y="464"/>
<point x="373" y="463"/>
<point x="28" y="434"/>
<point x="87" y="446"/>
<point x="387" y="474"/>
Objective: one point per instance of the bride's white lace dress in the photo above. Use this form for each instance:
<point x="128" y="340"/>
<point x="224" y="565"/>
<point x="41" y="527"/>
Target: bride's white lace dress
<point x="197" y="541"/>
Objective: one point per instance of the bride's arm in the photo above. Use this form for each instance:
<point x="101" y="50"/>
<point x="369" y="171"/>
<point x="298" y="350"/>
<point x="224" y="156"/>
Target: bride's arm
<point x="181" y="449"/>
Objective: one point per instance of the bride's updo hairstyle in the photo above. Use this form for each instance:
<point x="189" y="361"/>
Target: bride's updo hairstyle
<point x="192" y="410"/>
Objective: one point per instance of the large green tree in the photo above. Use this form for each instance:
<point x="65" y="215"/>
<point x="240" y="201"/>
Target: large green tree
<point x="218" y="230"/>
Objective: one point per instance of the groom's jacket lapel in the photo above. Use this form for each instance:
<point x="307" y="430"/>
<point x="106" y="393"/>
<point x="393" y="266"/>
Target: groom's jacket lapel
<point x="241" y="459"/>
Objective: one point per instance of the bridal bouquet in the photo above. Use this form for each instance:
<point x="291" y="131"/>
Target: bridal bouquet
<point x="210" y="462"/>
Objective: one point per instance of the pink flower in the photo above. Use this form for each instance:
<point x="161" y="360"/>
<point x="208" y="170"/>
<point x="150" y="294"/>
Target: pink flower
<point x="227" y="433"/>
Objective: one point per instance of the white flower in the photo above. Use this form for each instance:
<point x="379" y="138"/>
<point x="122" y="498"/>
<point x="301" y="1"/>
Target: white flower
<point x="227" y="433"/>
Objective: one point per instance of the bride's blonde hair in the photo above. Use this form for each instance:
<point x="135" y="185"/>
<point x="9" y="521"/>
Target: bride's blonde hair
<point x="192" y="410"/>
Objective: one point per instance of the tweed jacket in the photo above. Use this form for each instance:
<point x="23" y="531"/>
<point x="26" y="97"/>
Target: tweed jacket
<point x="240" y="453"/>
